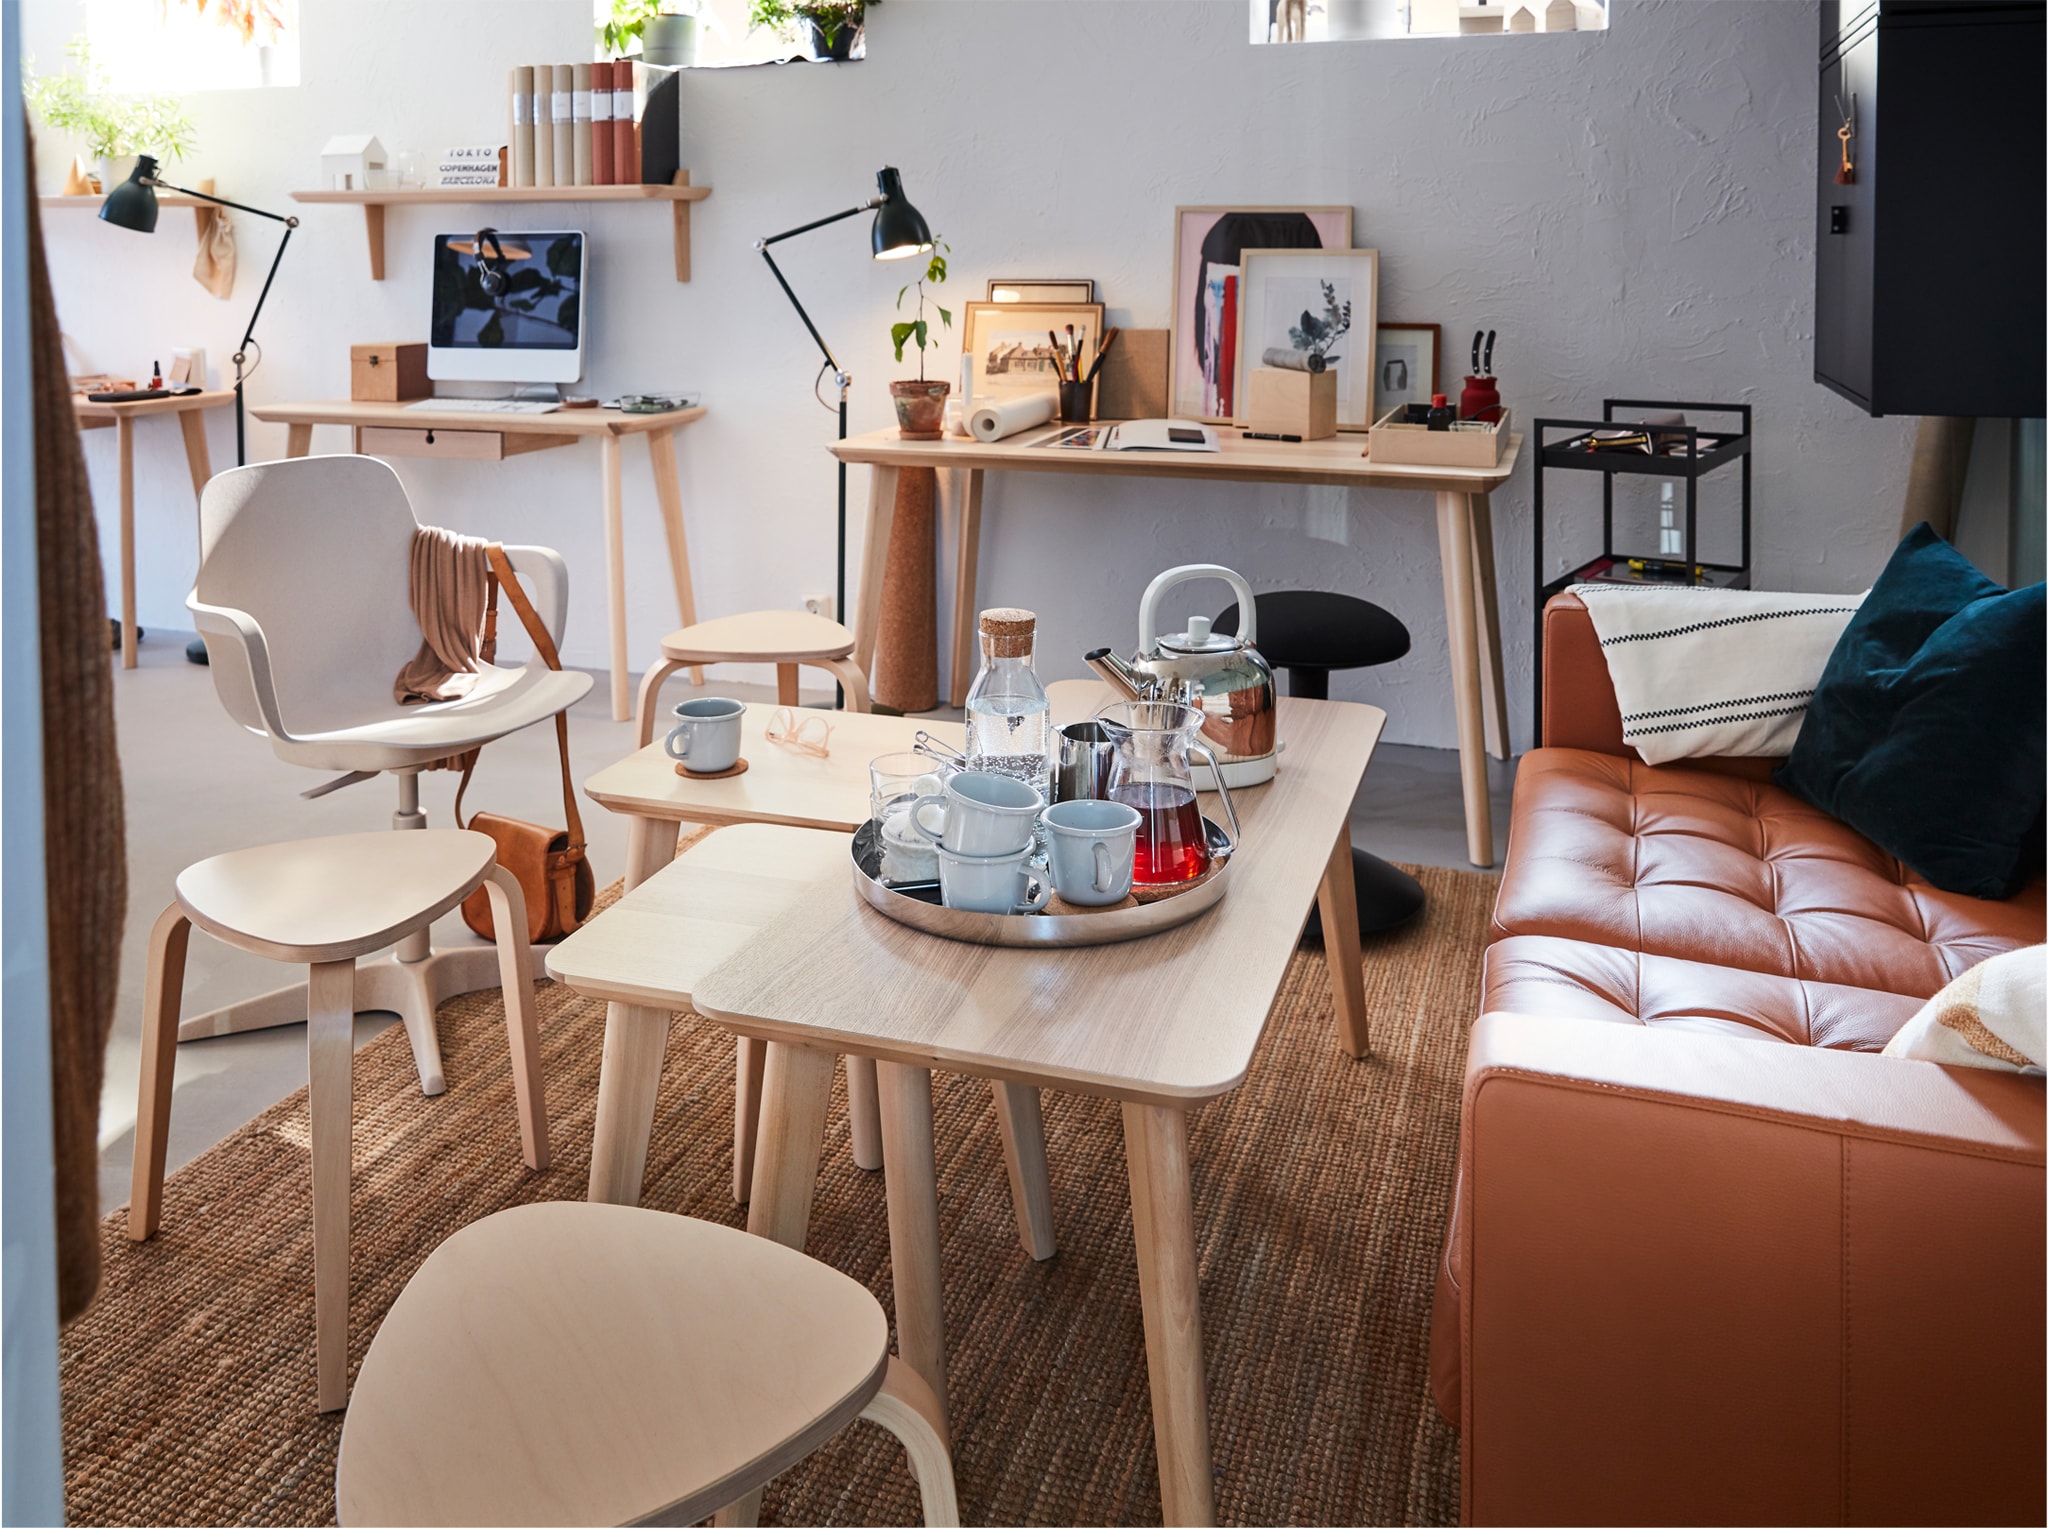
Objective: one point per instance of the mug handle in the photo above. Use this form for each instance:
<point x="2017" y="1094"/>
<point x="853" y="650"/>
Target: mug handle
<point x="1038" y="886"/>
<point x="668" y="744"/>
<point x="1103" y="878"/>
<point x="917" y="819"/>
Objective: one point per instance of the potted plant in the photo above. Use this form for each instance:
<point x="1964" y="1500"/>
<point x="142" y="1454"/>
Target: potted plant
<point x="112" y="128"/>
<point x="921" y="405"/>
<point x="834" y="26"/>
<point x="665" y="29"/>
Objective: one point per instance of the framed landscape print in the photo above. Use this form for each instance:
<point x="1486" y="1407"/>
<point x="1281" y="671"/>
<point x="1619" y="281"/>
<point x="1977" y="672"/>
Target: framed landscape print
<point x="1207" y="245"/>
<point x="1404" y="366"/>
<point x="1312" y="310"/>
<point x="1009" y="345"/>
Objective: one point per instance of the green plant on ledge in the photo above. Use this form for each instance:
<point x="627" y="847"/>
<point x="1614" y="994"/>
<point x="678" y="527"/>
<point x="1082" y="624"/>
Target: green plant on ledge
<point x="830" y="17"/>
<point x="110" y="125"/>
<point x="628" y="22"/>
<point x="919" y="328"/>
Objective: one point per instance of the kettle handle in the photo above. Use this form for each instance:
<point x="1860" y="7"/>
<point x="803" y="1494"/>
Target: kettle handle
<point x="1148" y="607"/>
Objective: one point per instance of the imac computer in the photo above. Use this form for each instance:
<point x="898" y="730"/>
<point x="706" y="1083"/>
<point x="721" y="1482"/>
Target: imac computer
<point x="508" y="306"/>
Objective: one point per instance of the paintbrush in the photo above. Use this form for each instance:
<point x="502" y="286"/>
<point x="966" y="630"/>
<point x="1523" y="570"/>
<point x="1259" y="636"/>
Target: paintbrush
<point x="1059" y="356"/>
<point x="1102" y="350"/>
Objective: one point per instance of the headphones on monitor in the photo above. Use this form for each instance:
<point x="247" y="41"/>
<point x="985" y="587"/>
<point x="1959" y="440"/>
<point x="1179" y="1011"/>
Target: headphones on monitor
<point x="490" y="277"/>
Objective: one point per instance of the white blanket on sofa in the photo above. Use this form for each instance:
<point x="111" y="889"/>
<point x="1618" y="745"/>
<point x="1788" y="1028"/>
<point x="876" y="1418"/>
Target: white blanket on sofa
<point x="1702" y="672"/>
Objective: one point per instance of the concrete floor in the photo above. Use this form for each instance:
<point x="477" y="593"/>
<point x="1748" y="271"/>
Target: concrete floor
<point x="198" y="785"/>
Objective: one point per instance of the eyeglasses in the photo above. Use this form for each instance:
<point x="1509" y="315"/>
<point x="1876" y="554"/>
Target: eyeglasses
<point x="810" y="733"/>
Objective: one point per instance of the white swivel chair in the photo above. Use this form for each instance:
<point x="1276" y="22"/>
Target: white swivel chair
<point x="302" y="599"/>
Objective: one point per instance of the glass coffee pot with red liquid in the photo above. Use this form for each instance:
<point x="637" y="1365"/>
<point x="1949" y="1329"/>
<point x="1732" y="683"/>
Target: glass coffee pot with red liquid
<point x="1150" y="771"/>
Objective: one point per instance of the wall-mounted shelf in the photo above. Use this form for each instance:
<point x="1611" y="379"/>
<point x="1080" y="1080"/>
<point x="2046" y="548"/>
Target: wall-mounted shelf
<point x="679" y="196"/>
<point x="203" y="212"/>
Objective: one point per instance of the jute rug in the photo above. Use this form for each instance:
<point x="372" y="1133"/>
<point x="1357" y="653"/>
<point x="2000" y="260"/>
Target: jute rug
<point x="1320" y="1193"/>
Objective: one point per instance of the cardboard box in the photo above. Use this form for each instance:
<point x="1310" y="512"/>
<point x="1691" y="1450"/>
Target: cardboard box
<point x="1417" y="445"/>
<point x="388" y="373"/>
<point x="1282" y="402"/>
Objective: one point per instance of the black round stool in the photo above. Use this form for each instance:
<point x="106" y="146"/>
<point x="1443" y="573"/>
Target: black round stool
<point x="1308" y="633"/>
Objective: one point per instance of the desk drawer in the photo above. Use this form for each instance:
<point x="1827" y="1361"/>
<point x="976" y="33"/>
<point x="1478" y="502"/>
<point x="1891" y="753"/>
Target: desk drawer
<point x="458" y="445"/>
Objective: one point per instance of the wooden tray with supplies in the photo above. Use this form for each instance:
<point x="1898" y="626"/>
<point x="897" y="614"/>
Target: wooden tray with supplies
<point x="1150" y="910"/>
<point x="1466" y="444"/>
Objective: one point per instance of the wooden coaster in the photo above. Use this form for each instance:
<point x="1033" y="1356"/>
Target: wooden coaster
<point x="724" y="774"/>
<point x="1150" y="894"/>
<point x="1060" y="907"/>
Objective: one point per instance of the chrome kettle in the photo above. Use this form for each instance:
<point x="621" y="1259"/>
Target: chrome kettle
<point x="1224" y="676"/>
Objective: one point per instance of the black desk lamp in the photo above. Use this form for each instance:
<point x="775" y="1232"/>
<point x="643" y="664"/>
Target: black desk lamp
<point x="899" y="231"/>
<point x="132" y="204"/>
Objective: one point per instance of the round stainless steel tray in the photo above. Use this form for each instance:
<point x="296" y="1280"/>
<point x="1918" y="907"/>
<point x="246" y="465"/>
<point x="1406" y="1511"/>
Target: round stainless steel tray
<point x="917" y="905"/>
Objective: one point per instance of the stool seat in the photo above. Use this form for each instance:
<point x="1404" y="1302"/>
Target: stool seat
<point x="319" y="899"/>
<point x="596" y="1363"/>
<point x="1313" y="628"/>
<point x="759" y="636"/>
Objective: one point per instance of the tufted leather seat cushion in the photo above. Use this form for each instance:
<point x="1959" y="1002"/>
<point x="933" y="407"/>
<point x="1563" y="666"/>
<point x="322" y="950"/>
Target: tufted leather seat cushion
<point x="1707" y="868"/>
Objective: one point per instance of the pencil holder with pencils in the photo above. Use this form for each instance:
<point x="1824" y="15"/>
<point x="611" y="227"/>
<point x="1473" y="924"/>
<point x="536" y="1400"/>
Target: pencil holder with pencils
<point x="1077" y="401"/>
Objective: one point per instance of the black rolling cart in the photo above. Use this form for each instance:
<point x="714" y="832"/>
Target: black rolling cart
<point x="1679" y="452"/>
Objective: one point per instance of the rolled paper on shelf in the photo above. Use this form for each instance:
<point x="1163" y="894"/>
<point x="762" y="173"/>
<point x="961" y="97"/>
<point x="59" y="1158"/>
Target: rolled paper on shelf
<point x="1294" y="360"/>
<point x="992" y="421"/>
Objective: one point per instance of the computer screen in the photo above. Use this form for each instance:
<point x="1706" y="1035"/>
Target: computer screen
<point x="528" y="330"/>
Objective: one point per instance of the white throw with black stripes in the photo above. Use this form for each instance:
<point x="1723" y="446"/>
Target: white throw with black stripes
<point x="1713" y="672"/>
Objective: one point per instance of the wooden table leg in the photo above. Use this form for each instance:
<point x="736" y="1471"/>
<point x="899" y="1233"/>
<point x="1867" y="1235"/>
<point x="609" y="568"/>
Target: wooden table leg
<point x="1337" y="901"/>
<point x="635" y="1039"/>
<point x="163" y="991"/>
<point x="615" y="576"/>
<point x="124" y="435"/>
<point x="1486" y="611"/>
<point x="750" y="1064"/>
<point x="863" y="1114"/>
<point x="330" y="1056"/>
<point x="298" y="441"/>
<point x="796" y="1092"/>
<point x="966" y="636"/>
<point x="668" y="492"/>
<point x="1022" y="1122"/>
<point x="192" y="422"/>
<point x="874" y="561"/>
<point x="1454" y="549"/>
<point x="913" y="1187"/>
<point x="1163" y="1224"/>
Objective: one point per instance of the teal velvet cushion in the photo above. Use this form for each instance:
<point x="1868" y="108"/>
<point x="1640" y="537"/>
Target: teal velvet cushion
<point x="1926" y="733"/>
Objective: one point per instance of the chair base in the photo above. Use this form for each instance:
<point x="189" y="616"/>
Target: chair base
<point x="1387" y="897"/>
<point x="384" y="984"/>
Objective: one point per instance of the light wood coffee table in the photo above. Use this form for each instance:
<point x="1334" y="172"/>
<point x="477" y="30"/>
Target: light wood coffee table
<point x="1162" y="1024"/>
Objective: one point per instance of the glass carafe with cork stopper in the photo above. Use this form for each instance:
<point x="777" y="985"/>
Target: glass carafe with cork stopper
<point x="1009" y="720"/>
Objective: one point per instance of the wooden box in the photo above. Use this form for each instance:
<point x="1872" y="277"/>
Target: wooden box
<point x="1467" y="444"/>
<point x="1282" y="402"/>
<point x="388" y="373"/>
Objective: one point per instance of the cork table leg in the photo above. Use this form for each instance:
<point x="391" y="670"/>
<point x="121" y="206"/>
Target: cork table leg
<point x="905" y="674"/>
<point x="615" y="577"/>
<point x="124" y="435"/>
<point x="668" y="492"/>
<point x="874" y="561"/>
<point x="1454" y="549"/>
<point x="966" y="644"/>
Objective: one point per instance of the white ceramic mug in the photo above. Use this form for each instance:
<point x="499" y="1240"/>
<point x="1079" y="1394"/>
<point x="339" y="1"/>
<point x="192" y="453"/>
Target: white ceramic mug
<point x="1091" y="847"/>
<point x="993" y="883"/>
<point x="986" y="814"/>
<point x="708" y="731"/>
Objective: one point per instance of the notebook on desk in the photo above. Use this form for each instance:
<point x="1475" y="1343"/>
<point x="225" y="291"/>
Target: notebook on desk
<point x="1135" y="435"/>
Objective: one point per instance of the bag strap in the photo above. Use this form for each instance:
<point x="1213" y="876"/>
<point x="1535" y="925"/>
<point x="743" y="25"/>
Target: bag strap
<point x="503" y="576"/>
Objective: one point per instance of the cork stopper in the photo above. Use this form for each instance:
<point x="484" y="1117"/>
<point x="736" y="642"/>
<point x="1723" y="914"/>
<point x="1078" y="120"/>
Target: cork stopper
<point x="1007" y="632"/>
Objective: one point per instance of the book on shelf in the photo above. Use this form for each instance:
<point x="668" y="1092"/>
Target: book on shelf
<point x="522" y="125"/>
<point x="625" y="135"/>
<point x="562" y="112"/>
<point x="543" y="125"/>
<point x="579" y="114"/>
<point x="601" y="74"/>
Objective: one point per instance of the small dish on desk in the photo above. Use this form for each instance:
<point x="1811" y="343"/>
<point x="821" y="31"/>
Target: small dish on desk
<point x="655" y="403"/>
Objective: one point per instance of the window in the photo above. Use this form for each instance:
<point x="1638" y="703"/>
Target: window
<point x="175" y="46"/>
<point x="1343" y="20"/>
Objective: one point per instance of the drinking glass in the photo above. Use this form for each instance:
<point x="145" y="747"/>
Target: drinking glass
<point x="896" y="780"/>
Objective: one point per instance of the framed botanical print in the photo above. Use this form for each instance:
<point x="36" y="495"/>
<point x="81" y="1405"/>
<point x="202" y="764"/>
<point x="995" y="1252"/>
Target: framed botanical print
<point x="1208" y="243"/>
<point x="1033" y="289"/>
<point x="1022" y="347"/>
<point x="1312" y="310"/>
<point x="1404" y="366"/>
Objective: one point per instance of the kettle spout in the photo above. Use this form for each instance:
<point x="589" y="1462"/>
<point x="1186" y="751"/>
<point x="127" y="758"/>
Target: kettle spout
<point x="1121" y="676"/>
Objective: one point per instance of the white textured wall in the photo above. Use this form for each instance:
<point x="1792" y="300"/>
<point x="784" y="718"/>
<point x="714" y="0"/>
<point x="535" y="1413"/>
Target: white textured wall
<point x="1631" y="210"/>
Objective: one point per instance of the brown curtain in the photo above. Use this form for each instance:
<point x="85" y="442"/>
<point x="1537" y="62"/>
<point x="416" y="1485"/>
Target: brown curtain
<point x="85" y="853"/>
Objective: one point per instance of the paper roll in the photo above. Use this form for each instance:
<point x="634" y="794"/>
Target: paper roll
<point x="1294" y="360"/>
<point x="992" y="421"/>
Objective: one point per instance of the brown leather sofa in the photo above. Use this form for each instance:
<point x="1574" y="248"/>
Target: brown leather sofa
<point x="1710" y="1260"/>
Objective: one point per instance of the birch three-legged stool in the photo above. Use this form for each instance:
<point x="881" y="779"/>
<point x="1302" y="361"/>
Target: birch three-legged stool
<point x="322" y="902"/>
<point x="786" y="638"/>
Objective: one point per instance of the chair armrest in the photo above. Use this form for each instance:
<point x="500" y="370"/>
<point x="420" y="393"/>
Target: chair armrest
<point x="543" y="568"/>
<point x="244" y="640"/>
<point x="1579" y="706"/>
<point x="1717" y="1279"/>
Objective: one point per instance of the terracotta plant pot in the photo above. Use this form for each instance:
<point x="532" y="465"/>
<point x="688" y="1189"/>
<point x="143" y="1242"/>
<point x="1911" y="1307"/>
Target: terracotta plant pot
<point x="920" y="409"/>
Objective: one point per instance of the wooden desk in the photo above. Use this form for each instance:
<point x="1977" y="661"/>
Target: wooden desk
<point x="1161" y="1024"/>
<point x="121" y="417"/>
<point x="392" y="429"/>
<point x="1464" y="528"/>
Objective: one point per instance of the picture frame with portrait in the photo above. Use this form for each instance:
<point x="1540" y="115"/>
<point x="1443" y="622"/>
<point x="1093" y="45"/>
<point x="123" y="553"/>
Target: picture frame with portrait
<point x="1405" y="365"/>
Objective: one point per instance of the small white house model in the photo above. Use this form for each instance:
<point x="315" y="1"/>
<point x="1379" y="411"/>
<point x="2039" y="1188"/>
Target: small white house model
<point x="352" y="162"/>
